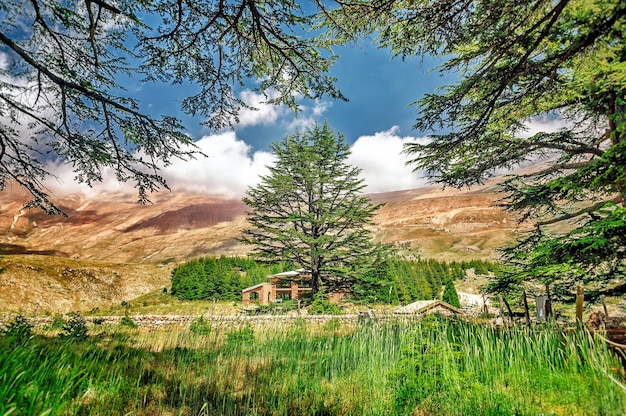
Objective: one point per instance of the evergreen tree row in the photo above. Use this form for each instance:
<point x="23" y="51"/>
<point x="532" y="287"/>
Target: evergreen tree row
<point x="390" y="281"/>
<point x="405" y="281"/>
<point x="220" y="278"/>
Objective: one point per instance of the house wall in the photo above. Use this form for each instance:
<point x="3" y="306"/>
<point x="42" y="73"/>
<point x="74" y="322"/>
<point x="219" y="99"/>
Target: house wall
<point x="266" y="294"/>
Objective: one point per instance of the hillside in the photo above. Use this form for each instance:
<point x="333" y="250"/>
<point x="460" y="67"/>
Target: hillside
<point x="111" y="249"/>
<point x="40" y="284"/>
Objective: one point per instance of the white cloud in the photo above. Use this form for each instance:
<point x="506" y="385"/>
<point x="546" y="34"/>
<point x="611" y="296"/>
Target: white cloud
<point x="544" y="124"/>
<point x="382" y="162"/>
<point x="308" y="115"/>
<point x="231" y="167"/>
<point x="261" y="111"/>
<point x="264" y="113"/>
<point x="228" y="170"/>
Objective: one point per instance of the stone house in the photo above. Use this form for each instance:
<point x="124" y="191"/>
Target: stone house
<point x="281" y="286"/>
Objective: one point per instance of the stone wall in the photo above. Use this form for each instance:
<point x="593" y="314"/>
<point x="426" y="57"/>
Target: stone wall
<point x="157" y="321"/>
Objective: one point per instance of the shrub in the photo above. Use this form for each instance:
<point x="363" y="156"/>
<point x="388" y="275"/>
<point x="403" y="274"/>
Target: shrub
<point x="200" y="326"/>
<point x="277" y="308"/>
<point x="322" y="306"/>
<point x="20" y="329"/>
<point x="128" y="321"/>
<point x="98" y="321"/>
<point x="57" y="322"/>
<point x="75" y="328"/>
<point x="244" y="335"/>
<point x="332" y="325"/>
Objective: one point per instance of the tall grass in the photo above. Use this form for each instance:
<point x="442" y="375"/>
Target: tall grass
<point x="428" y="367"/>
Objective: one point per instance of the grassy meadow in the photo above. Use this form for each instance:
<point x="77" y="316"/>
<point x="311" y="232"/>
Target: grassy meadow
<point x="433" y="366"/>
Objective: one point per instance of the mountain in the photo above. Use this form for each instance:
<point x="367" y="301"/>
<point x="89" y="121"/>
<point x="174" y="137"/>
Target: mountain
<point x="109" y="248"/>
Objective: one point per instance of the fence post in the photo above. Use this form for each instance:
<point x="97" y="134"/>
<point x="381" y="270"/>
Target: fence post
<point x="580" y="299"/>
<point x="526" y="311"/>
<point x="606" y="311"/>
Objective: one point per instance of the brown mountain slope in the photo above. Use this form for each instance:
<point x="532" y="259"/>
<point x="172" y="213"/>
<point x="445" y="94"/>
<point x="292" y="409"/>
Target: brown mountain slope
<point x="134" y="241"/>
<point x="445" y="224"/>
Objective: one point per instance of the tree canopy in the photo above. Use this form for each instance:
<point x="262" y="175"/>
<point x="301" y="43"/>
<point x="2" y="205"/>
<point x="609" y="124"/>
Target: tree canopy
<point x="61" y="63"/>
<point x="518" y="63"/>
<point x="310" y="209"/>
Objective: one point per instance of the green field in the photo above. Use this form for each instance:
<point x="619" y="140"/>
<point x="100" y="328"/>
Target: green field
<point x="432" y="366"/>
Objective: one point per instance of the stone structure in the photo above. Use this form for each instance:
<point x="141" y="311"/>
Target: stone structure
<point x="430" y="306"/>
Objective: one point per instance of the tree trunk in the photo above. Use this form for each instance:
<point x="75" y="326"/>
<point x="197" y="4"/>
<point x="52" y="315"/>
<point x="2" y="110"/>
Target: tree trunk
<point x="316" y="281"/>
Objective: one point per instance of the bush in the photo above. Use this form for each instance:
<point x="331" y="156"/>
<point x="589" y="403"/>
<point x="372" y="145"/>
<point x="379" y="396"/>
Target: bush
<point x="57" y="322"/>
<point x="20" y="329"/>
<point x="322" y="306"/>
<point x="75" y="328"/>
<point x="276" y="308"/>
<point x="98" y="321"/>
<point x="332" y="325"/>
<point x="244" y="335"/>
<point x="127" y="321"/>
<point x="200" y="326"/>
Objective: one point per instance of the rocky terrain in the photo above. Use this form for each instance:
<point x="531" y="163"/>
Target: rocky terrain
<point x="110" y="248"/>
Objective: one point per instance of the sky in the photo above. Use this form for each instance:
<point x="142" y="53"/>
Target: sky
<point x="376" y="121"/>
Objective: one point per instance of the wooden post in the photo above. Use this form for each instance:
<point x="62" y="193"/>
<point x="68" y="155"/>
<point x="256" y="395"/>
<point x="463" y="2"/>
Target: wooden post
<point x="580" y="299"/>
<point x="501" y="307"/>
<point x="606" y="311"/>
<point x="508" y="308"/>
<point x="526" y="311"/>
<point x="548" y="302"/>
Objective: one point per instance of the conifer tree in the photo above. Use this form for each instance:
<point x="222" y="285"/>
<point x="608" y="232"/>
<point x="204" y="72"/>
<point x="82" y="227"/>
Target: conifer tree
<point x="310" y="209"/>
<point x="450" y="294"/>
<point x="518" y="63"/>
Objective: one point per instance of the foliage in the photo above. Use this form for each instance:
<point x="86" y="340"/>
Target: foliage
<point x="310" y="209"/>
<point x="57" y="322"/>
<point x="381" y="370"/>
<point x="389" y="280"/>
<point x="240" y="336"/>
<point x="333" y="324"/>
<point x="397" y="280"/>
<point x="522" y="69"/>
<point x="449" y="294"/>
<point x="322" y="306"/>
<point x="276" y="308"/>
<point x="200" y="326"/>
<point x="220" y="278"/>
<point x="19" y="329"/>
<point x="62" y="94"/>
<point x="127" y="321"/>
<point x="75" y="328"/>
<point x="451" y="367"/>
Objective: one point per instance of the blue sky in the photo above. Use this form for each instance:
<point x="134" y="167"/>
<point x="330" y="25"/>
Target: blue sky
<point x="379" y="90"/>
<point x="377" y="122"/>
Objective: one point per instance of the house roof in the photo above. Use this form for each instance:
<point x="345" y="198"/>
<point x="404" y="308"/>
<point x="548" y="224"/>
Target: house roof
<point x="253" y="287"/>
<point x="422" y="306"/>
<point x="292" y="273"/>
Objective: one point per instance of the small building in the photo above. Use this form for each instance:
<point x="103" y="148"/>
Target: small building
<point x="422" y="307"/>
<point x="281" y="286"/>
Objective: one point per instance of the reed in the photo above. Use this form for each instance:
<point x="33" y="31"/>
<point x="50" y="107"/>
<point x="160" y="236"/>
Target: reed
<point x="433" y="366"/>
